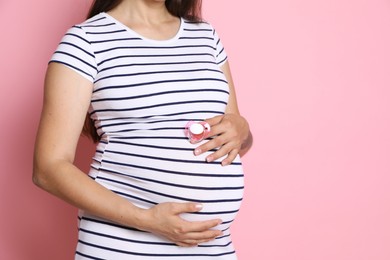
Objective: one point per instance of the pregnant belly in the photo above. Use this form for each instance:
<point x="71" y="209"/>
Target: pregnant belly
<point x="147" y="175"/>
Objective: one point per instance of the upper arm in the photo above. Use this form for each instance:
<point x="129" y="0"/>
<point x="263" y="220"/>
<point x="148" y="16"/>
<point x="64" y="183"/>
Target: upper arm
<point x="232" y="106"/>
<point x="221" y="60"/>
<point x="67" y="97"/>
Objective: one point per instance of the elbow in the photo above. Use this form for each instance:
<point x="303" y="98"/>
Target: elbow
<point x="46" y="173"/>
<point x="38" y="176"/>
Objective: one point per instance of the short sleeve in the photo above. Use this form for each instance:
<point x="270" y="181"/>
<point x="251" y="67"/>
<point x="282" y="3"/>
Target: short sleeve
<point x="75" y="52"/>
<point x="220" y="53"/>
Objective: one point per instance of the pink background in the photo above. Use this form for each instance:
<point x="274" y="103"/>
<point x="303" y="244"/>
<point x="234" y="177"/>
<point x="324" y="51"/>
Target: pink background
<point x="313" y="79"/>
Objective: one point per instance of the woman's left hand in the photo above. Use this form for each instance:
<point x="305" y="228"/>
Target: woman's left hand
<point x="230" y="131"/>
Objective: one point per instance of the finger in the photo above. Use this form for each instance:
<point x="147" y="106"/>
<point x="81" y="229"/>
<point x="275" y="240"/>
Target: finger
<point x="178" y="208"/>
<point x="195" y="238"/>
<point x="216" y="129"/>
<point x="203" y="226"/>
<point x="197" y="242"/>
<point x="214" y="120"/>
<point x="192" y="243"/>
<point x="232" y="155"/>
<point x="182" y="244"/>
<point x="214" y="143"/>
<point x="224" y="150"/>
<point x="202" y="236"/>
<point x="208" y="146"/>
<point x="192" y="240"/>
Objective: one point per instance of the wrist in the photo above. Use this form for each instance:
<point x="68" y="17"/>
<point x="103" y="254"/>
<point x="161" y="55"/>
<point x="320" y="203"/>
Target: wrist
<point x="247" y="144"/>
<point x="132" y="216"/>
<point x="248" y="138"/>
<point x="141" y="219"/>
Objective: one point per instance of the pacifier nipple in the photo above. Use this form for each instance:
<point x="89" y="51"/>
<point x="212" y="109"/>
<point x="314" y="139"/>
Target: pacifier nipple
<point x="196" y="131"/>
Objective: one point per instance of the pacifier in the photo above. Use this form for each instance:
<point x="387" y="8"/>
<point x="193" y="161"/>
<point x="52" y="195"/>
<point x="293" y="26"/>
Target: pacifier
<point x="196" y="131"/>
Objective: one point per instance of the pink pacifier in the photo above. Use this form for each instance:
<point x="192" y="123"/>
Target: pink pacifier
<point x="197" y="131"/>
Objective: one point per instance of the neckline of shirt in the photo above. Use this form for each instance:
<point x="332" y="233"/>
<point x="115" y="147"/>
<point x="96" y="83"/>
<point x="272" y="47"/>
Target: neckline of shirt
<point x="174" y="38"/>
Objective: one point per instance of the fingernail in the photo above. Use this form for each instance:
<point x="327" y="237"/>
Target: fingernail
<point x="199" y="206"/>
<point x="209" y="159"/>
<point x="197" y="151"/>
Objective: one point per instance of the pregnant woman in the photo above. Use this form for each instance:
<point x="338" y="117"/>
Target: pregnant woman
<point x="143" y="70"/>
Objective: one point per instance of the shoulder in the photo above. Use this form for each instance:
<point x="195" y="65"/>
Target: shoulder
<point x="90" y="25"/>
<point x="204" y="25"/>
<point x="91" y="29"/>
<point x="96" y="20"/>
<point x="204" y="29"/>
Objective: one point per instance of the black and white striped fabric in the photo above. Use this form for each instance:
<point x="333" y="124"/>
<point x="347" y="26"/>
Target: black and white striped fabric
<point x="145" y="91"/>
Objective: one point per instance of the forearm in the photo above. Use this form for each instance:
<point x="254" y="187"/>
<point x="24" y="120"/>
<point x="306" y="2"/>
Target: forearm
<point x="69" y="183"/>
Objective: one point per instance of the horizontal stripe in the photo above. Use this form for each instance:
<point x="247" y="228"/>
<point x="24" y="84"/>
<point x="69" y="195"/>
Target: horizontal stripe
<point x="126" y="239"/>
<point x="197" y="30"/>
<point x="181" y="55"/>
<point x="126" y="122"/>
<point x="158" y="82"/>
<point x="156" y="106"/>
<point x="98" y="25"/>
<point x="160" y="93"/>
<point x="71" y="66"/>
<point x="222" y="61"/>
<point x="170" y="184"/>
<point x="157" y="146"/>
<point x="116" y="40"/>
<point x="166" y="115"/>
<point x="187" y="199"/>
<point x="197" y="174"/>
<point x="93" y="21"/>
<point x="154" y="47"/>
<point x="167" y="159"/>
<point x="155" y="64"/>
<point x="123" y="194"/>
<point x="155" y="72"/>
<point x="78" y="37"/>
<point x="106" y="32"/>
<point x="197" y="38"/>
<point x="76" y="58"/>
<point x="144" y="242"/>
<point x="77" y="47"/>
<point x="152" y="255"/>
<point x="89" y="256"/>
<point x="150" y="129"/>
<point x="103" y="222"/>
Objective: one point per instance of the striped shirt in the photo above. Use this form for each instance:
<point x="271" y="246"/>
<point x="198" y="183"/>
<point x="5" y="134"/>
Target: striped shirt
<point x="145" y="92"/>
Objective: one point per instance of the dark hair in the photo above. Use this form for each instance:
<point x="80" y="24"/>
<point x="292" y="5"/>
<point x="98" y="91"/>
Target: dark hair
<point x="190" y="10"/>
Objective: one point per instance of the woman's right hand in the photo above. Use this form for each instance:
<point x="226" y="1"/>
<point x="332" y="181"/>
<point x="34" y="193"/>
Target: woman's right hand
<point x="164" y="219"/>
